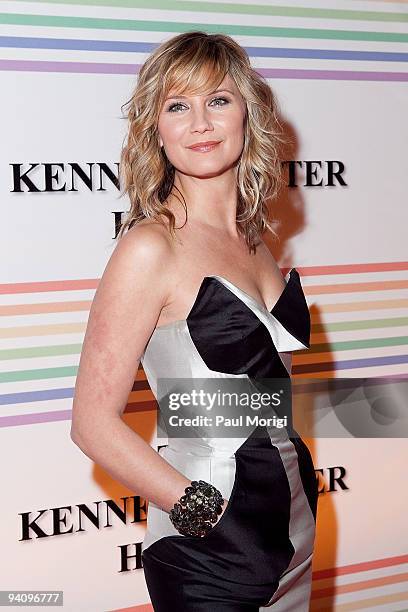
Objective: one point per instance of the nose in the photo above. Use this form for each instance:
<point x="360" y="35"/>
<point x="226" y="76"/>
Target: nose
<point x="200" y="120"/>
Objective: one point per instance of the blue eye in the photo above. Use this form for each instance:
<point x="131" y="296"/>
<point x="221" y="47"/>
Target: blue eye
<point x="223" y="99"/>
<point x="172" y="106"/>
<point x="175" y="105"/>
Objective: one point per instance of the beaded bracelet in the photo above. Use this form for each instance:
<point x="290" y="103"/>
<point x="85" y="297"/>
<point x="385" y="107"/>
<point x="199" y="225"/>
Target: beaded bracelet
<point x="194" y="512"/>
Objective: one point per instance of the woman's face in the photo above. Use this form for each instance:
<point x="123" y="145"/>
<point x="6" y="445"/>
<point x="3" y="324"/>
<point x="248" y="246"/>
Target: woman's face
<point x="187" y="120"/>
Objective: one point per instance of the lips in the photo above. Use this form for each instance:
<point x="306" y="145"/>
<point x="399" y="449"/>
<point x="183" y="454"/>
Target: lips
<point x="207" y="145"/>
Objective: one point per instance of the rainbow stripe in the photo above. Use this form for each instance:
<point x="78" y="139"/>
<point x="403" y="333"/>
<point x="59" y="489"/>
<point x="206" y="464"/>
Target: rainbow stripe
<point x="359" y="329"/>
<point x="347" y="588"/>
<point x="102" y="32"/>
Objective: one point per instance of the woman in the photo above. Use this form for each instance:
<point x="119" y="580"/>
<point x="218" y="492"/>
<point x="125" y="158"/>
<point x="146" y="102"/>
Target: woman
<point x="192" y="292"/>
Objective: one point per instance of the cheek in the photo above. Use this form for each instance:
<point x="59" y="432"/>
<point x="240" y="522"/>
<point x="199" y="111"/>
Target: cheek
<point x="236" y="132"/>
<point x="234" y="125"/>
<point x="169" y="131"/>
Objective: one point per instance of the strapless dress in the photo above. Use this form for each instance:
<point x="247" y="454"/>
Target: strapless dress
<point x="259" y="553"/>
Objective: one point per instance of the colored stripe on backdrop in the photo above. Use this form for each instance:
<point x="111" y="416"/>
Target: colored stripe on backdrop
<point x="325" y="590"/>
<point x="132" y="69"/>
<point x="243" y="9"/>
<point x="322" y="599"/>
<point x="101" y="23"/>
<point x="381" y="349"/>
<point x="119" y="46"/>
<point x="170" y="22"/>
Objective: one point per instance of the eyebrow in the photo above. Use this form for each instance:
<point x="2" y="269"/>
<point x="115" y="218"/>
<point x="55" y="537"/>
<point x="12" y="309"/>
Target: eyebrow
<point x="210" y="94"/>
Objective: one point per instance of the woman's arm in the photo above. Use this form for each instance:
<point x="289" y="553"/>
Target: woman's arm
<point x="126" y="306"/>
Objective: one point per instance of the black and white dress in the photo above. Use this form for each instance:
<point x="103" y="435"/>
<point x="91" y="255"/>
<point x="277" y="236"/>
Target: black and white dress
<point x="259" y="553"/>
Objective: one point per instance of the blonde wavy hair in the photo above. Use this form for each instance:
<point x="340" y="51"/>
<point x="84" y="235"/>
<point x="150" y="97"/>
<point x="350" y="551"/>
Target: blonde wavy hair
<point x="193" y="63"/>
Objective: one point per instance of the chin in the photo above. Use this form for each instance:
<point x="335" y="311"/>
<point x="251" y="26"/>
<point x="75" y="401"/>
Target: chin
<point x="203" y="174"/>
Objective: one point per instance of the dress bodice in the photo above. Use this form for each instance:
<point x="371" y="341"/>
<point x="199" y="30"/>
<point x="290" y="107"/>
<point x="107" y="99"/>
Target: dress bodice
<point x="224" y="329"/>
<point x="228" y="334"/>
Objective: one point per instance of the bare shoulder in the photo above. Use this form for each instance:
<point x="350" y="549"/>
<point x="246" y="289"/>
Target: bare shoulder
<point x="144" y="259"/>
<point x="136" y="283"/>
<point x="147" y="239"/>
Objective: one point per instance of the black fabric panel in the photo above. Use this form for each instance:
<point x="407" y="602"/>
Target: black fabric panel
<point x="231" y="339"/>
<point x="243" y="557"/>
<point x="307" y="473"/>
<point x="229" y="336"/>
<point x="292" y="310"/>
